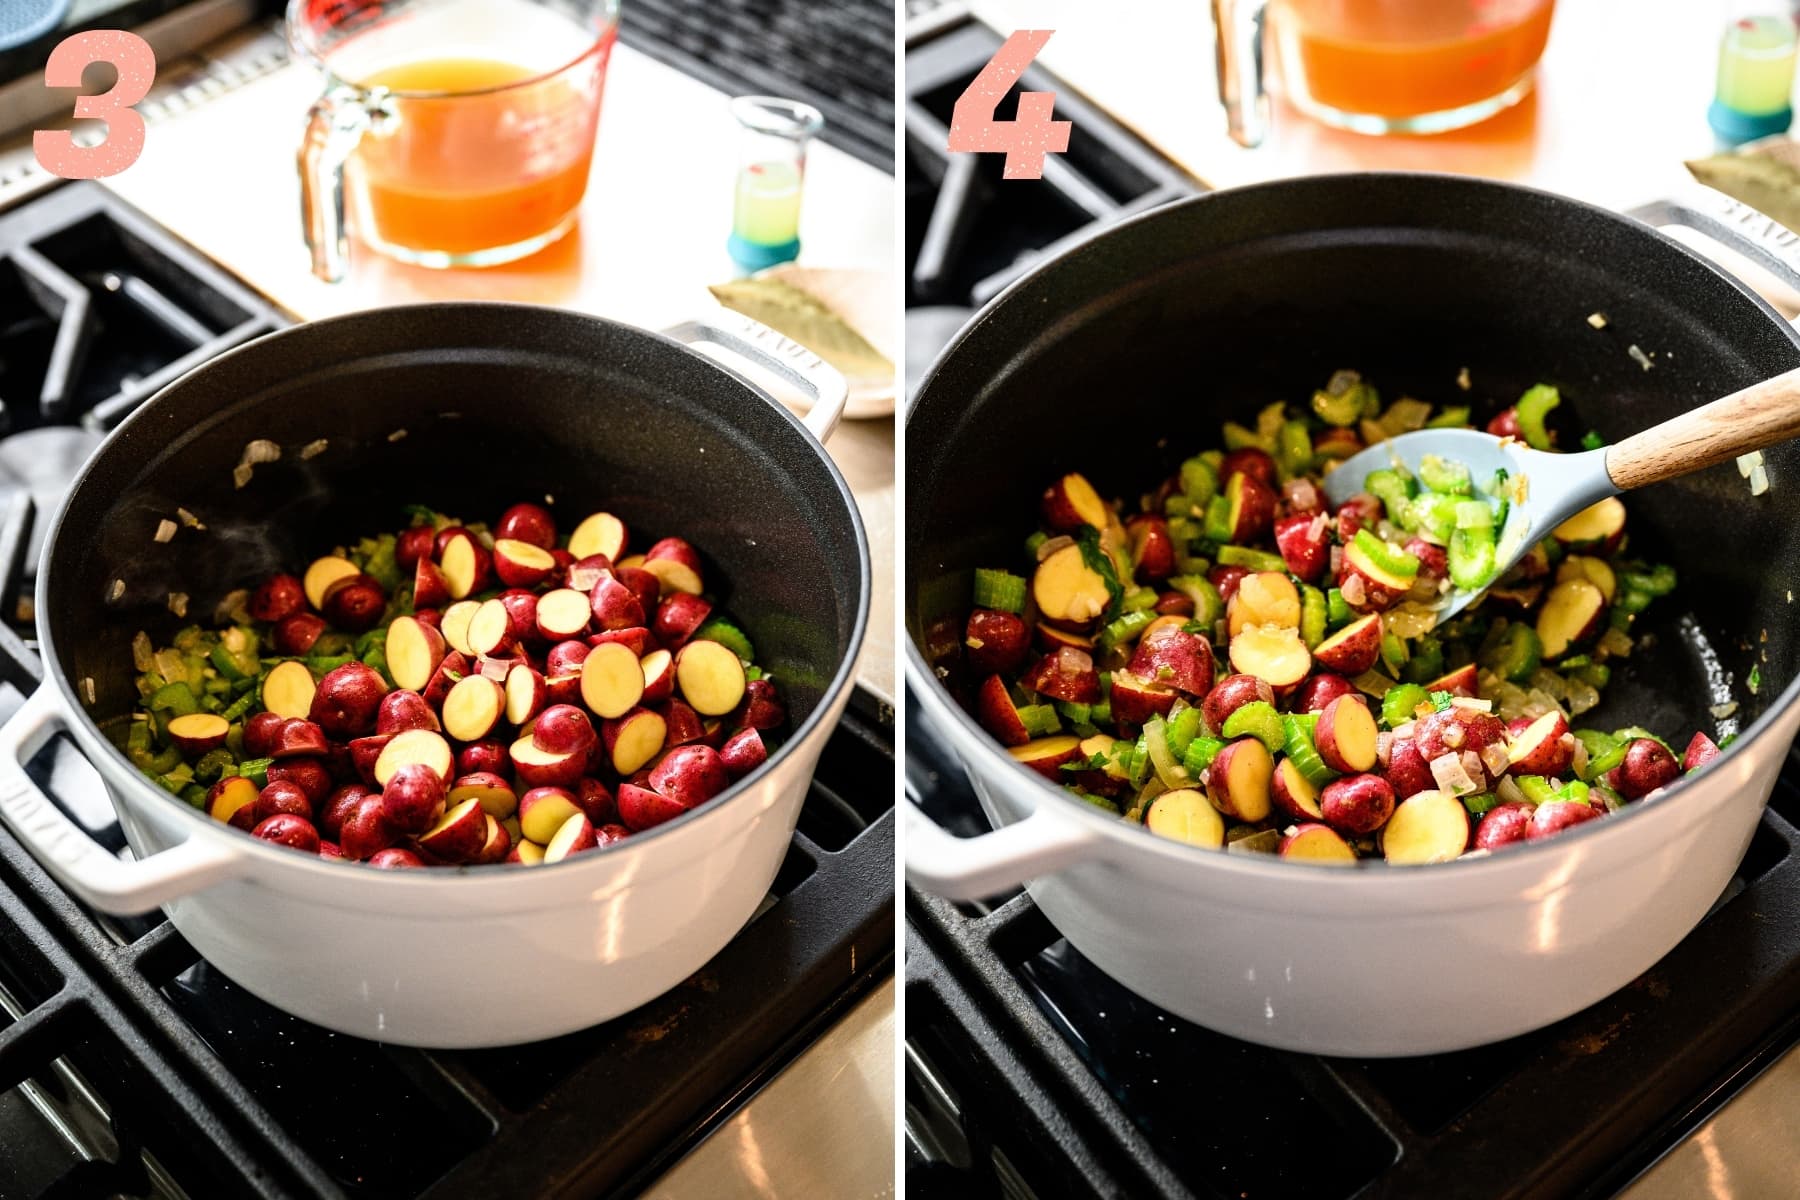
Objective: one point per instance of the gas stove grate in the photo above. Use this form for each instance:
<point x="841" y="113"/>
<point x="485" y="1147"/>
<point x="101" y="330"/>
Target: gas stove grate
<point x="1031" y="1073"/>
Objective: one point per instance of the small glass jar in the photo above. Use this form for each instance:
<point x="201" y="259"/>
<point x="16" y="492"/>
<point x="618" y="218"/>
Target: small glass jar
<point x="765" y="219"/>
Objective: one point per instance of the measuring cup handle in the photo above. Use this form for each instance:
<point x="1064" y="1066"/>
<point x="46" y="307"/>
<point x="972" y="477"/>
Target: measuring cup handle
<point x="334" y="126"/>
<point x="1238" y="48"/>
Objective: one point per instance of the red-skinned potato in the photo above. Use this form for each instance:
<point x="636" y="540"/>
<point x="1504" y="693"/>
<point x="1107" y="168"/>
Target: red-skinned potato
<point x="637" y="639"/>
<point x="643" y="584"/>
<point x="1248" y="461"/>
<point x="678" y="616"/>
<point x="543" y="810"/>
<point x="487" y="755"/>
<point x="1176" y="659"/>
<point x="331" y="851"/>
<point x="244" y="818"/>
<point x="415" y="545"/>
<point x="1271" y="653"/>
<point x="395" y="858"/>
<point x="1337" y="442"/>
<point x="676" y="565"/>
<point x="633" y="739"/>
<point x="1263" y="598"/>
<point x="1573" y="612"/>
<point x="1064" y="674"/>
<point x="1464" y="681"/>
<point x="659" y="676"/>
<point x="526" y="694"/>
<point x="996" y="641"/>
<point x="1357" y="804"/>
<point x="690" y="775"/>
<point x="277" y="597"/>
<point x="615" y="606"/>
<point x="710" y="676"/>
<point x="288" y="689"/>
<point x="365" y="831"/>
<point x="298" y="738"/>
<point x="1700" y="751"/>
<point x="1506" y="424"/>
<point x="430" y="588"/>
<point x="612" y="680"/>
<point x="1072" y="502"/>
<point x="565" y="658"/>
<point x="1462" y="731"/>
<point x="290" y="830"/>
<point x="465" y="562"/>
<point x="1366" y="585"/>
<point x="524" y="853"/>
<point x="743" y="752"/>
<point x="1433" y="563"/>
<point x="474" y="708"/>
<point x="761" y="708"/>
<point x="1292" y="793"/>
<point x="594" y="799"/>
<point x="1250" y="507"/>
<point x="1304" y="542"/>
<point x="1313" y="842"/>
<point x="458" y="835"/>
<point x="1239" y="782"/>
<point x="1597" y="529"/>
<point x="1345" y="735"/>
<point x="995" y="709"/>
<point x="575" y="837"/>
<point x="355" y="604"/>
<point x="1554" y="816"/>
<point x="296" y="633"/>
<point x="1048" y="637"/>
<point x="310" y="775"/>
<point x="414" y="650"/>
<point x="365" y="752"/>
<point x="1427" y="827"/>
<point x="282" y="796"/>
<point x="601" y="533"/>
<point x="196" y="733"/>
<point x="1319" y="689"/>
<point x="1540" y="747"/>
<point x="641" y="809"/>
<point x="322" y="573"/>
<point x="1136" y="700"/>
<point x="1359" y="510"/>
<point x="527" y="522"/>
<point x="401" y="710"/>
<point x="1503" y="825"/>
<point x="562" y="615"/>
<point x="1048" y="755"/>
<point x="1648" y="766"/>
<point x="1225" y="580"/>
<point x="521" y="614"/>
<point x="611" y="834"/>
<point x="1230" y="694"/>
<point x="496" y="795"/>
<point x="490" y="633"/>
<point x="1407" y="771"/>
<point x="1186" y="815"/>
<point x="498" y="844"/>
<point x="586" y="571"/>
<point x="1352" y="649"/>
<point x="413" y="798"/>
<point x="1174" y="604"/>
<point x="261" y="732"/>
<point x="563" y="729"/>
<point x="1152" y="549"/>
<point x="348" y="699"/>
<point x="683" y="724"/>
<point x="338" y="806"/>
<point x="415" y="746"/>
<point x="454" y="667"/>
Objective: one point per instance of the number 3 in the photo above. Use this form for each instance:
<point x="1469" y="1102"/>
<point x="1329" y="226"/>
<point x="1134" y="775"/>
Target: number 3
<point x="131" y="55"/>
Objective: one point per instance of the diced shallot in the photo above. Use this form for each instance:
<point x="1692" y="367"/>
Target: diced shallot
<point x="1451" y="776"/>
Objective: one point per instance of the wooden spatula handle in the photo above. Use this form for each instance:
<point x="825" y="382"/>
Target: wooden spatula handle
<point x="1757" y="417"/>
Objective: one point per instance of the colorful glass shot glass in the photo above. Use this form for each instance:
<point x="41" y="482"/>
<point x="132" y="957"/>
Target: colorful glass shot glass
<point x="765" y="221"/>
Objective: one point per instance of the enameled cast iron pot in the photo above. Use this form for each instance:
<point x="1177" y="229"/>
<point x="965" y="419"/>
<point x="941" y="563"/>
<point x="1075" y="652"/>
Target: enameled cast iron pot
<point x="468" y="408"/>
<point x="1124" y="355"/>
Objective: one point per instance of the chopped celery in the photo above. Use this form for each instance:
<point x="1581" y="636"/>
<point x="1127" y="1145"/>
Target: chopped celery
<point x="1454" y="417"/>
<point x="1199" y="481"/>
<point x="212" y="765"/>
<point x="1591" y="440"/>
<point x="1239" y="438"/>
<point x="1393" y="488"/>
<point x="1039" y="719"/>
<point x="1575" y="792"/>
<point x="175" y="699"/>
<point x="1217" y="525"/>
<point x="1480" y="803"/>
<point x="1345" y="399"/>
<point x="1337" y="609"/>
<point x="1425" y="661"/>
<point x="1208" y="605"/>
<point x="1255" y="560"/>
<point x="1312" y="615"/>
<point x="1169" y="769"/>
<point x="226" y="663"/>
<point x="1445" y="476"/>
<point x="1472" y="559"/>
<point x="1401" y="703"/>
<point x="1595" y="675"/>
<point x="1076" y="712"/>
<point x="1658" y="581"/>
<point x="1533" y="407"/>
<point x="1513" y="653"/>
<point x="1537" y="789"/>
<point x="1474" y="514"/>
<point x="1257" y="719"/>
<point x="1138" y="599"/>
<point x="1200" y="754"/>
<point x="1393" y="653"/>
<point x="194" y="795"/>
<point x="1435" y="514"/>
<point x="1033" y="542"/>
<point x="1297" y="744"/>
<point x="1127" y="627"/>
<point x="1603" y="750"/>
<point x="999" y="590"/>
<point x="256" y="770"/>
<point x="1294" y="449"/>
<point x="1389" y="558"/>
<point x="727" y="635"/>
<point x="1184" y="727"/>
<point x="1184" y="529"/>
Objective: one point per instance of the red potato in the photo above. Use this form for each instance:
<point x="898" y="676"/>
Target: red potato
<point x="1152" y="549"/>
<point x="474" y="708"/>
<point x="1047" y="755"/>
<point x="1072" y="502"/>
<point x="601" y="533"/>
<point x="1048" y="637"/>
<point x="1648" y="766"/>
<point x="659" y="676"/>
<point x="1248" y="461"/>
<point x="1345" y="735"/>
<point x="496" y="795"/>
<point x="1463" y="731"/>
<point x="497" y="845"/>
<point x="413" y="798"/>
<point x="365" y="752"/>
<point x="1407" y="771"/>
<point x="1176" y="659"/>
<point x="593" y="799"/>
<point x="282" y="796"/>
<point x="1068" y="591"/>
<point x="365" y="831"/>
<point x="565" y="658"/>
<point x="277" y="598"/>
<point x="1062" y="675"/>
<point x="454" y="667"/>
<point x="414" y="746"/>
<point x="612" y="679"/>
<point x="401" y="710"/>
<point x="529" y="523"/>
<point x="1700" y="751"/>
<point x="415" y="545"/>
<point x="1174" y="604"/>
<point x="575" y="837"/>
<point x="1596" y="530"/>
<point x="584" y="573"/>
<point x="676" y="565"/>
<point x="1305" y="545"/>
<point x="641" y="809"/>
<point x="487" y="755"/>
<point x="322" y="573"/>
<point x="678" y="616"/>
<point x="1357" y="804"/>
<point x="1506" y="424"/>
<point x="645" y="585"/>
<point x="563" y="689"/>
<point x="310" y="775"/>
<point x="682" y="723"/>
<point x="395" y="858"/>
<point x="295" y="634"/>
<point x="1292" y="793"/>
<point x="299" y="738"/>
<point x="1554" y="816"/>
<point x="710" y="676"/>
<point x="1518" y="599"/>
<point x="540" y="768"/>
<point x="521" y="614"/>
<point x="1135" y="700"/>
<point x="430" y="588"/>
<point x="615" y="606"/>
<point x="454" y="624"/>
<point x="1250" y="508"/>
<point x="196" y="733"/>
<point x="1433" y="563"/>
<point x="690" y="775"/>
<point x="633" y="739"/>
<point x="563" y="729"/>
<point x="1263" y="598"/>
<point x="244" y="819"/>
<point x="355" y="604"/>
<point x="636" y="639"/>
<point x="543" y="810"/>
<point x="562" y="614"/>
<point x="1186" y="815"/>
<point x="1313" y="842"/>
<point x="261" y="732"/>
<point x="1573" y="612"/>
<point x="743" y="752"/>
<point x="1230" y="694"/>
<point x="1503" y="825"/>
<point x="1367" y="587"/>
<point x="1337" y="442"/>
<point x="1239" y="782"/>
<point x="347" y="700"/>
<point x="1321" y="688"/>
<point x="459" y="834"/>
<point x="1271" y="653"/>
<point x="414" y="650"/>
<point x="1464" y="681"/>
<point x="1359" y="510"/>
<point x="1541" y="747"/>
<point x="995" y="641"/>
<point x="611" y="834"/>
<point x="1427" y="827"/>
<point x="331" y="850"/>
<point x="526" y="694"/>
<point x="1225" y="580"/>
<point x="337" y="808"/>
<point x="490" y="630"/>
<point x="288" y="690"/>
<point x="290" y="830"/>
<point x="762" y="707"/>
<point x="528" y="854"/>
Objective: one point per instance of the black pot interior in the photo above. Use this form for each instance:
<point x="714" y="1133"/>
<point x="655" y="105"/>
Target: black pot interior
<point x="466" y="408"/>
<point x="1124" y="357"/>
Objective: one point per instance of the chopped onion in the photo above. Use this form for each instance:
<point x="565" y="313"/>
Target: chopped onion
<point x="1494" y="758"/>
<point x="1471" y="702"/>
<point x="178" y="602"/>
<point x="1354" y="593"/>
<point x="1582" y="696"/>
<point x="189" y="519"/>
<point x="314" y="448"/>
<point x="1638" y="356"/>
<point x="240" y="474"/>
<point x="396" y="435"/>
<point x="1508" y="791"/>
<point x="1759" y="480"/>
<point x="262" y="450"/>
<point x="87" y="688"/>
<point x="1384" y="746"/>
<point x="1451" y="776"/>
<point x="1337" y="560"/>
<point x="1721" y="711"/>
<point x="1472" y="763"/>
<point x="1453" y="734"/>
<point x="1579" y="759"/>
<point x="117" y="592"/>
<point x="234" y="607"/>
<point x="165" y="531"/>
<point x="495" y="668"/>
<point x="1409" y="620"/>
<point x="1597" y="320"/>
<point x="1615" y="643"/>
<point x="143" y="654"/>
<point x="1545" y="680"/>
<point x="1404" y="729"/>
<point x="1463" y="381"/>
<point x="1749" y="462"/>
<point x="1374" y="683"/>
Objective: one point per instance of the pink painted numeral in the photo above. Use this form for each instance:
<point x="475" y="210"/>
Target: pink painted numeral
<point x="1025" y="140"/>
<point x="135" y="62"/>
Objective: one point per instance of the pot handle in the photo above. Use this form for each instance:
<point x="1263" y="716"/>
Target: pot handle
<point x="970" y="868"/>
<point x="774" y="352"/>
<point x="1755" y="235"/>
<point x="114" y="885"/>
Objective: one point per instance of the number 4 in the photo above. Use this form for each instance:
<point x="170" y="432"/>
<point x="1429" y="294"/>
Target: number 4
<point x="135" y="62"/>
<point x="1026" y="140"/>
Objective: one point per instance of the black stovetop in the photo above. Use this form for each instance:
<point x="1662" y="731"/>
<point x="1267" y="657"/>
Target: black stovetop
<point x="129" y="1067"/>
<point x="1030" y="1073"/>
